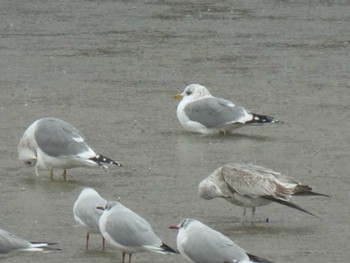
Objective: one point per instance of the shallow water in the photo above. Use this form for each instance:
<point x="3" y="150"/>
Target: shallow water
<point x="111" y="67"/>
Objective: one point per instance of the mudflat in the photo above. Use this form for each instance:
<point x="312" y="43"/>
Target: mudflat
<point x="111" y="67"/>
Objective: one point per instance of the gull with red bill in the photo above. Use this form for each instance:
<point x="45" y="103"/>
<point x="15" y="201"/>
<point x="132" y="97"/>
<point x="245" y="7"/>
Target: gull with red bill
<point x="128" y="232"/>
<point x="201" y="244"/>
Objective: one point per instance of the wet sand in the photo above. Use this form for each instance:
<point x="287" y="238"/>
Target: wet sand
<point x="111" y="67"/>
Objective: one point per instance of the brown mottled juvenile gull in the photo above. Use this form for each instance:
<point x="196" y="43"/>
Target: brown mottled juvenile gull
<point x="249" y="185"/>
<point x="199" y="243"/>
<point x="51" y="143"/>
<point x="201" y="112"/>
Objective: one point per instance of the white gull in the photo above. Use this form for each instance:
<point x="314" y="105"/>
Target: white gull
<point x="201" y="112"/>
<point x="86" y="213"/>
<point x="199" y="243"/>
<point x="51" y="143"/>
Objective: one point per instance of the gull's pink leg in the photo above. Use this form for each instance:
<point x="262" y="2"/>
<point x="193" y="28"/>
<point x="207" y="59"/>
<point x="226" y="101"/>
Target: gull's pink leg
<point x="87" y="241"/>
<point x="103" y="243"/>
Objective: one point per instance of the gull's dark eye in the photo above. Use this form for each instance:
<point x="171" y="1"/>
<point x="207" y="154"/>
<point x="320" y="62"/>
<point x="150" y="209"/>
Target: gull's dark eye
<point x="188" y="92"/>
<point x="29" y="162"/>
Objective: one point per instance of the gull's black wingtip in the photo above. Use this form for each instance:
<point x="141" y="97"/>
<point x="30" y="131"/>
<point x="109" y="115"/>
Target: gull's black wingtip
<point x="290" y="204"/>
<point x="263" y="119"/>
<point x="46" y="246"/>
<point x="257" y="259"/>
<point x="100" y="159"/>
<point x="169" y="249"/>
<point x="305" y="190"/>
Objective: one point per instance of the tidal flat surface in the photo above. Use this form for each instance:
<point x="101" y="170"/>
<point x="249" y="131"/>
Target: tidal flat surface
<point x="111" y="67"/>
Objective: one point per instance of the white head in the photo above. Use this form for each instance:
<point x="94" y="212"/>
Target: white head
<point x="195" y="91"/>
<point x="26" y="153"/>
<point x="87" y="191"/>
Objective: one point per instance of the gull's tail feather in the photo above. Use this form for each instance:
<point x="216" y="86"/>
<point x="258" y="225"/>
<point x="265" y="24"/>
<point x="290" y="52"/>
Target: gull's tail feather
<point x="41" y="246"/>
<point x="168" y="249"/>
<point x="286" y="203"/>
<point x="306" y="190"/>
<point x="101" y="159"/>
<point x="263" y="119"/>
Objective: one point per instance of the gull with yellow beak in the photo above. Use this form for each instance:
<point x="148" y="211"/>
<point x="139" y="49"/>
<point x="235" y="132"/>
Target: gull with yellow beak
<point x="200" y="112"/>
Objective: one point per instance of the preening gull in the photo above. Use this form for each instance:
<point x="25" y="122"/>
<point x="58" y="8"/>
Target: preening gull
<point x="199" y="243"/>
<point x="249" y="185"/>
<point x="10" y="243"/>
<point x="86" y="213"/>
<point x="128" y="232"/>
<point x="201" y="112"/>
<point x="50" y="143"/>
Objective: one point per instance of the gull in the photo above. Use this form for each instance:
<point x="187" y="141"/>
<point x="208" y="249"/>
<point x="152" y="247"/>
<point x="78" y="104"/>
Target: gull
<point x="9" y="243"/>
<point x="200" y="112"/>
<point x="86" y="214"/>
<point x="249" y="185"/>
<point x="199" y="243"/>
<point x="50" y="143"/>
<point x="128" y="232"/>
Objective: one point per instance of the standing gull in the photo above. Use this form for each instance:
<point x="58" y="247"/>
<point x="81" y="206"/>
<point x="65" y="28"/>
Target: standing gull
<point x="51" y="143"/>
<point x="199" y="243"/>
<point x="9" y="243"/>
<point x="249" y="185"/>
<point x="201" y="112"/>
<point x="128" y="232"/>
<point x="86" y="213"/>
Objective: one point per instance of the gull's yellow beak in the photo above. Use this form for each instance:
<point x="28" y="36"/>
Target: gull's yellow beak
<point x="177" y="96"/>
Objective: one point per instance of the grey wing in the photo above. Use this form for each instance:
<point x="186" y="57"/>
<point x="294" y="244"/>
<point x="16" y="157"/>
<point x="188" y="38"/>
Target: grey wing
<point x="215" y="112"/>
<point x="9" y="242"/>
<point x="246" y="182"/>
<point x="86" y="211"/>
<point x="207" y="246"/>
<point x="131" y="230"/>
<point x="59" y="138"/>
